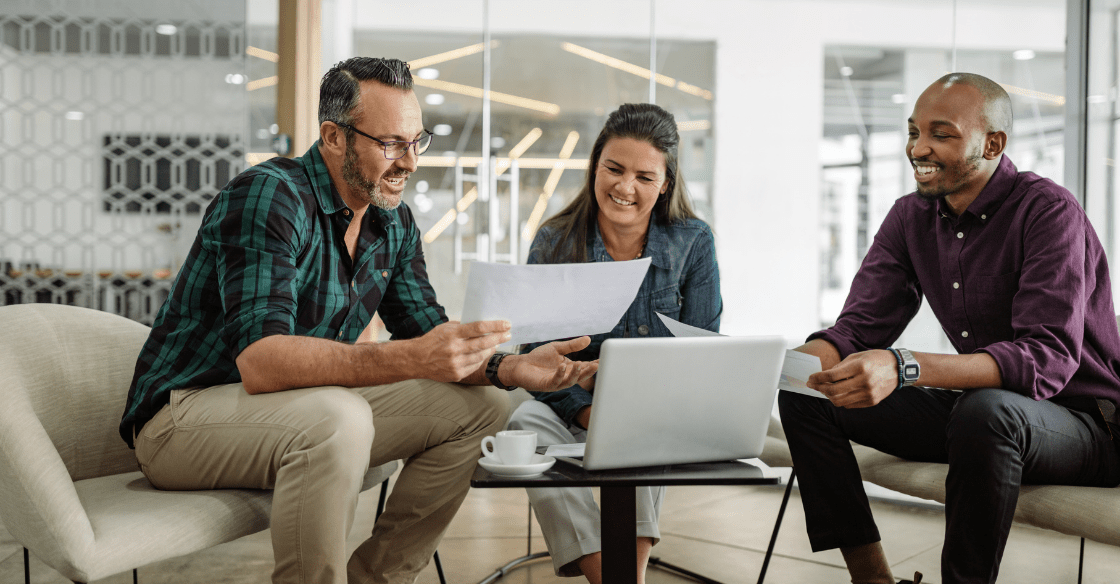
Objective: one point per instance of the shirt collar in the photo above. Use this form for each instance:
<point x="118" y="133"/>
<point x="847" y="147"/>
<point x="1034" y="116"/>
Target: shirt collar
<point x="657" y="243"/>
<point x="320" y="178"/>
<point x="992" y="196"/>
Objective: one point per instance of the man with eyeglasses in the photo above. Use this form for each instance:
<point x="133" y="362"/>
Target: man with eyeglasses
<point x="262" y="370"/>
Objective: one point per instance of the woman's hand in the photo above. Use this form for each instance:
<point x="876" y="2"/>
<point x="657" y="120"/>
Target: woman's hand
<point x="546" y="368"/>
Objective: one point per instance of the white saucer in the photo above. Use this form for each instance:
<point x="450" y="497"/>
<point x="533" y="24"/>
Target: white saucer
<point x="538" y="464"/>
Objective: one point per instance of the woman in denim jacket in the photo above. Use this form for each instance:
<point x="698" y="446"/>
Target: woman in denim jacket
<point x="634" y="205"/>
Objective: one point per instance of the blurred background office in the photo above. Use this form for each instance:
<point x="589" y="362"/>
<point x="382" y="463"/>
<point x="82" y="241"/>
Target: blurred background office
<point x="121" y="119"/>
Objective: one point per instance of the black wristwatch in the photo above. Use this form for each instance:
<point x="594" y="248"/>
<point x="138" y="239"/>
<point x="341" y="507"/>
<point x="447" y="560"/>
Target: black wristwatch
<point x="492" y="371"/>
<point x="908" y="370"/>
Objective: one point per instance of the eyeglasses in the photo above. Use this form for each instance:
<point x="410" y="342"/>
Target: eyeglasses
<point x="397" y="148"/>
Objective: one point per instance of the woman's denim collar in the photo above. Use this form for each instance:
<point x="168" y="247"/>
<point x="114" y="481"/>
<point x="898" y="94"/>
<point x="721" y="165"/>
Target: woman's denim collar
<point x="657" y="244"/>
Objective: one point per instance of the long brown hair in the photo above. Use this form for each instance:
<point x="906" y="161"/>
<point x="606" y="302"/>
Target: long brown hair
<point x="639" y="121"/>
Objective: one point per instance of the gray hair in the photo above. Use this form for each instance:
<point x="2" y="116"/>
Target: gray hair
<point x="340" y="93"/>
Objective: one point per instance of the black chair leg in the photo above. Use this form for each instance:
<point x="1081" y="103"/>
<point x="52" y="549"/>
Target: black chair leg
<point x="1081" y="561"/>
<point x="26" y="567"/>
<point x="135" y="577"/>
<point x="381" y="499"/>
<point x="777" y="526"/>
<point x="380" y="509"/>
<point x="439" y="568"/>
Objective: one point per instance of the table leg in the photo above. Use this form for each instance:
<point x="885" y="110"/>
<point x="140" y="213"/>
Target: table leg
<point x="620" y="534"/>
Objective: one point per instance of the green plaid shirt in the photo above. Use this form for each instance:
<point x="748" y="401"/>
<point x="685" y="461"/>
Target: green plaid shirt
<point x="269" y="259"/>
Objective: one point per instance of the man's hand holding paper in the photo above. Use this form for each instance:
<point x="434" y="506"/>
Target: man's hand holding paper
<point x="553" y="301"/>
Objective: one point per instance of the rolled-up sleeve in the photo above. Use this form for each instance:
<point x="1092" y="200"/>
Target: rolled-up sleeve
<point x="251" y="233"/>
<point x="884" y="296"/>
<point x="1049" y="307"/>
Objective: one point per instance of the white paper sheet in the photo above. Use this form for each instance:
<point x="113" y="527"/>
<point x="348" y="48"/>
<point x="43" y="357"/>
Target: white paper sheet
<point x="680" y="329"/>
<point x="796" y="369"/>
<point x="570" y="450"/>
<point x="553" y="301"/>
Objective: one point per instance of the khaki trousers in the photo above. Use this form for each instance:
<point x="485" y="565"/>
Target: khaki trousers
<point x="313" y="447"/>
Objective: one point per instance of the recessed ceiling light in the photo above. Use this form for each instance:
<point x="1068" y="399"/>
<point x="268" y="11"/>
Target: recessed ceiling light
<point x="442" y="130"/>
<point x="1023" y="55"/>
<point x="434" y="99"/>
<point x="75" y="116"/>
<point x="166" y="29"/>
<point x="846" y="71"/>
<point x="428" y="73"/>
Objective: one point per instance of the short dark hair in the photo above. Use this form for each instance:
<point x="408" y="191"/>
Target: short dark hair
<point x="997" y="104"/>
<point x="340" y="93"/>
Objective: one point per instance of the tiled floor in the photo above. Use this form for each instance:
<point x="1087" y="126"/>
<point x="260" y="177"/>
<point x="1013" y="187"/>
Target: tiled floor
<point x="721" y="532"/>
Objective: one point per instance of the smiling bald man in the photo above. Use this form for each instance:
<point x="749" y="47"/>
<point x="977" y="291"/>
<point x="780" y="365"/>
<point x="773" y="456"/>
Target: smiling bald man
<point x="1015" y="274"/>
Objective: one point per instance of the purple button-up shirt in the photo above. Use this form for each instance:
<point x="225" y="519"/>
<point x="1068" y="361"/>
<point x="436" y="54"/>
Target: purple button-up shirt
<point x="1019" y="275"/>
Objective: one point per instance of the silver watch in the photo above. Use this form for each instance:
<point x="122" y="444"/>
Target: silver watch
<point x="910" y="370"/>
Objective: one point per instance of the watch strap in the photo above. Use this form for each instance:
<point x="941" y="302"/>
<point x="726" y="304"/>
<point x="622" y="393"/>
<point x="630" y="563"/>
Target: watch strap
<point x="492" y="371"/>
<point x="898" y="357"/>
<point x="909" y="371"/>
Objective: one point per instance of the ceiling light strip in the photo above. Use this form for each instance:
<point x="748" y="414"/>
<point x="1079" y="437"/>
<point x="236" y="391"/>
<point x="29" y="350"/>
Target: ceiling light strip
<point x="450" y="55"/>
<point x="262" y="54"/>
<point x="503" y="164"/>
<point x="636" y="70"/>
<point x="693" y="125"/>
<point x="440" y="225"/>
<point x="261" y="83"/>
<point x="470" y="91"/>
<point x="523" y="163"/>
<point x="1058" y="100"/>
<point x="549" y="187"/>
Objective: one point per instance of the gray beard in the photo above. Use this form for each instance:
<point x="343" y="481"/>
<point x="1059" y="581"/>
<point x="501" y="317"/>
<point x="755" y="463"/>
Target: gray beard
<point x="359" y="184"/>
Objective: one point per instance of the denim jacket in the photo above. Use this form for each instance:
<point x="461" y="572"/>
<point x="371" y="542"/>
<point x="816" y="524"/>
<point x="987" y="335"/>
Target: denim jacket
<point x="682" y="283"/>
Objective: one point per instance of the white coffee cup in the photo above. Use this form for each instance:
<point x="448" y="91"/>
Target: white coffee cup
<point x="510" y="447"/>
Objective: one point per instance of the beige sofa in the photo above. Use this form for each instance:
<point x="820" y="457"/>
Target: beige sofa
<point x="1085" y="512"/>
<point x="70" y="490"/>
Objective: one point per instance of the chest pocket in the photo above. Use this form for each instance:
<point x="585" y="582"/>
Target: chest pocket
<point x="667" y="301"/>
<point x="988" y="303"/>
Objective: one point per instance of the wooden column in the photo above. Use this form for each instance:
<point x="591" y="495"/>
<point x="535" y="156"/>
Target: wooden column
<point x="297" y="92"/>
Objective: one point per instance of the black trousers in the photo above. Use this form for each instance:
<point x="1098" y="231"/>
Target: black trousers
<point x="993" y="440"/>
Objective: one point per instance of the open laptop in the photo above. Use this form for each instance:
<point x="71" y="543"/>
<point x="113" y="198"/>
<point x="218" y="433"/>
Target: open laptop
<point x="676" y="400"/>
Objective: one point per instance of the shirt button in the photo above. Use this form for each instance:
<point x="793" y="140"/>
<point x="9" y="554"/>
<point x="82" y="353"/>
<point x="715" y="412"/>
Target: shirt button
<point x="643" y="330"/>
<point x="680" y="301"/>
<point x="346" y="212"/>
<point x="964" y="334"/>
<point x="960" y="234"/>
<point x="352" y="286"/>
<point x="385" y="274"/>
<point x="956" y="285"/>
<point x="983" y="216"/>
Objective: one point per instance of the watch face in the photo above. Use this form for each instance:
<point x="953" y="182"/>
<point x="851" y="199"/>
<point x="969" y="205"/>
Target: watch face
<point x="910" y="372"/>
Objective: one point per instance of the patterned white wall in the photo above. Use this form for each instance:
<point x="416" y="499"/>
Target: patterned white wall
<point x="118" y="121"/>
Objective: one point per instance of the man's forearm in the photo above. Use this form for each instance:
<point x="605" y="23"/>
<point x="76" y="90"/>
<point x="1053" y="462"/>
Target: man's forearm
<point x="281" y="362"/>
<point x="823" y="350"/>
<point x="973" y="371"/>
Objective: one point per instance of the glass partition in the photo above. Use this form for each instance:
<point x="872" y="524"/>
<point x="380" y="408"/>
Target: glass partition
<point x="119" y="121"/>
